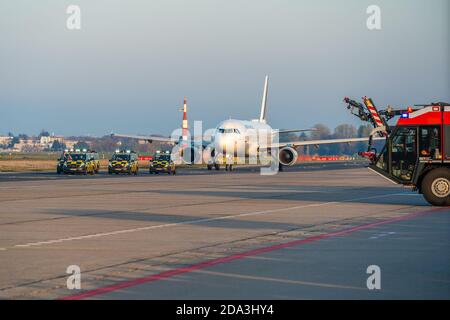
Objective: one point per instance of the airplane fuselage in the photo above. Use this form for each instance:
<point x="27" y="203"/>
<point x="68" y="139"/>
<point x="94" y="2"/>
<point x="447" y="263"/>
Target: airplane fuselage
<point x="234" y="136"/>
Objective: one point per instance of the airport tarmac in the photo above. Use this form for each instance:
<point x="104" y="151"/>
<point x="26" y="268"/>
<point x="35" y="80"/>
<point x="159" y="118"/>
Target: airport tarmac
<point x="186" y="170"/>
<point x="308" y="232"/>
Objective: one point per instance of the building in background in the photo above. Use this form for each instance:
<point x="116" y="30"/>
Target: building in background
<point x="47" y="141"/>
<point x="35" y="144"/>
<point x="31" y="144"/>
<point x="5" y="141"/>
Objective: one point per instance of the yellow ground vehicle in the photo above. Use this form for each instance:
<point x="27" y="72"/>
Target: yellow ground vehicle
<point x="162" y="162"/>
<point x="124" y="162"/>
<point x="78" y="161"/>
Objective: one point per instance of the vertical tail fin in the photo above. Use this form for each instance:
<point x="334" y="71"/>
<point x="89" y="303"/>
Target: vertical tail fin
<point x="262" y="117"/>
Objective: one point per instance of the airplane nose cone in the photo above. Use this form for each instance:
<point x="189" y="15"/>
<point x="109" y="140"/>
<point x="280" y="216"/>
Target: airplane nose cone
<point x="222" y="142"/>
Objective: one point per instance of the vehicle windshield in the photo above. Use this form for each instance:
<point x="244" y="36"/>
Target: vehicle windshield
<point x="121" y="157"/>
<point x="404" y="153"/>
<point x="76" y="157"/>
<point x="165" y="157"/>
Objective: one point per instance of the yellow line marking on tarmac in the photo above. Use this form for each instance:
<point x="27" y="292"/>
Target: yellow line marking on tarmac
<point x="197" y="221"/>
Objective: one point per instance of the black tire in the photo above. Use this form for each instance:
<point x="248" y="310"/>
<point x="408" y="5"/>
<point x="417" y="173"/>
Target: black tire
<point x="436" y="187"/>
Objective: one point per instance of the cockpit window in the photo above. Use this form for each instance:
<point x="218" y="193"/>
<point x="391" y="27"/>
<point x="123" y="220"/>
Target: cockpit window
<point x="228" y="130"/>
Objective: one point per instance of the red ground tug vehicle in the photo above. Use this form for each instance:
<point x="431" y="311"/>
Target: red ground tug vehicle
<point x="417" y="149"/>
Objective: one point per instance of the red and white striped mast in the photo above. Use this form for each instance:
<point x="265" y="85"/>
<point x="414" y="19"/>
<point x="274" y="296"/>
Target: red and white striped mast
<point x="185" y="128"/>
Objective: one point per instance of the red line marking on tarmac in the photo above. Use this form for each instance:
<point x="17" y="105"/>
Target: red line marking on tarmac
<point x="205" y="264"/>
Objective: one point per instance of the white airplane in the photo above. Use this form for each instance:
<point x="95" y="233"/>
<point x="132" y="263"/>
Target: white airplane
<point x="257" y="137"/>
<point x="236" y="132"/>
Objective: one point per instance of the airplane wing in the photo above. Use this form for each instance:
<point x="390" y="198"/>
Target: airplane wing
<point x="318" y="142"/>
<point x="146" y="138"/>
<point x="293" y="130"/>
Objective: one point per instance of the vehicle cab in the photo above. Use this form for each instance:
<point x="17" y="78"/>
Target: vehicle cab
<point x="417" y="152"/>
<point x="124" y="161"/>
<point x="78" y="162"/>
<point x="162" y="162"/>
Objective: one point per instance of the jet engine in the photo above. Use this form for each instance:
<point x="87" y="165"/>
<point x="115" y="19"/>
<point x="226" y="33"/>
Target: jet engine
<point x="186" y="154"/>
<point x="287" y="156"/>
